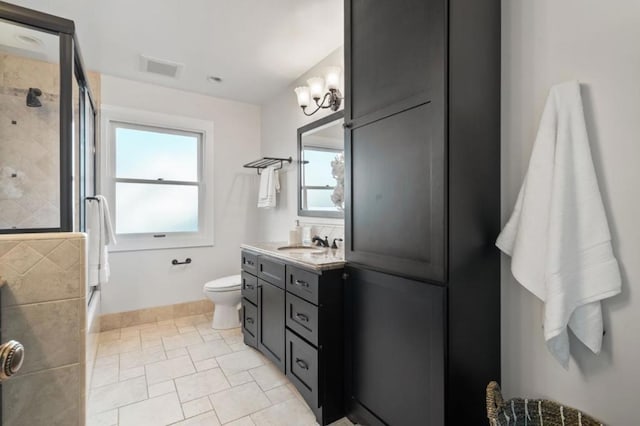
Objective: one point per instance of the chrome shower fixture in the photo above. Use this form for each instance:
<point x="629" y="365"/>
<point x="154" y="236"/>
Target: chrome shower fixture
<point x="32" y="97"/>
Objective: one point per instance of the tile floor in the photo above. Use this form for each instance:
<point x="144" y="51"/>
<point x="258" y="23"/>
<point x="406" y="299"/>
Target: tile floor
<point x="181" y="372"/>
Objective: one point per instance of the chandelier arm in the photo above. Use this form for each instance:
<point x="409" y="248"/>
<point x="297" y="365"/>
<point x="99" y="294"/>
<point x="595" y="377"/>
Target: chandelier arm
<point x="304" y="110"/>
<point x="321" y="104"/>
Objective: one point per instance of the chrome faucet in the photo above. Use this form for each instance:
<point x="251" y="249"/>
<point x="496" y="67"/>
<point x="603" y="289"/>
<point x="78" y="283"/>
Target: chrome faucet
<point x="320" y="242"/>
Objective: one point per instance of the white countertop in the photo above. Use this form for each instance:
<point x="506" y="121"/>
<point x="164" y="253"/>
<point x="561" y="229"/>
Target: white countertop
<point x="325" y="260"/>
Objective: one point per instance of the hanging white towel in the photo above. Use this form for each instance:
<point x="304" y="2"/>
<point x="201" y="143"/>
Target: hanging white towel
<point x="269" y="185"/>
<point x="558" y="235"/>
<point x="100" y="235"/>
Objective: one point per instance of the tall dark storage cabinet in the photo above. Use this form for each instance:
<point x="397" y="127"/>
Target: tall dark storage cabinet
<point x="422" y="289"/>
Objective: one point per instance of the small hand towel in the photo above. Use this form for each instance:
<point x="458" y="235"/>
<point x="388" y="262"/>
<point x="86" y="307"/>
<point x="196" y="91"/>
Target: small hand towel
<point x="269" y="185"/>
<point x="558" y="235"/>
<point x="100" y="235"/>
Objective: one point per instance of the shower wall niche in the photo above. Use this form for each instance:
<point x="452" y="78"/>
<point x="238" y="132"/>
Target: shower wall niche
<point x="47" y="124"/>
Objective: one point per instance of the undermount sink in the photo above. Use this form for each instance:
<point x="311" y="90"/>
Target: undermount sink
<point x="301" y="249"/>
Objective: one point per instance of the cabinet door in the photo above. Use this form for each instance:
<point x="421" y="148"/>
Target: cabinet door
<point x="271" y="322"/>
<point x="395" y="332"/>
<point x="394" y="54"/>
<point x="395" y="208"/>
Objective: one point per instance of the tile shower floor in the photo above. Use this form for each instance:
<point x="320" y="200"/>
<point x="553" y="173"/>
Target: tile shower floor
<point x="181" y="372"/>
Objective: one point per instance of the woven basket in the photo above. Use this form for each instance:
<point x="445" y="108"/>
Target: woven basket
<point x="532" y="412"/>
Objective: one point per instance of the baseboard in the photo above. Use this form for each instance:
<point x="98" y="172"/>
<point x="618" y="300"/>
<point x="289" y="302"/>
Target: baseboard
<point x="159" y="313"/>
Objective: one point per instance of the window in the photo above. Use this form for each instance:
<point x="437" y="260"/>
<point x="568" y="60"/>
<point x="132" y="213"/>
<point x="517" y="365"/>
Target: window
<point x="158" y="191"/>
<point x="318" y="183"/>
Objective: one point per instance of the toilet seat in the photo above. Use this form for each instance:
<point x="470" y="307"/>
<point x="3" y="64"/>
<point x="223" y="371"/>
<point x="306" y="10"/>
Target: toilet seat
<point x="230" y="283"/>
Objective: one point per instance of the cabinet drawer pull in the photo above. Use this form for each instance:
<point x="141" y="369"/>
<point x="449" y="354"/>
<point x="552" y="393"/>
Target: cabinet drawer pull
<point x="302" y="317"/>
<point x="249" y="286"/>
<point x="249" y="262"/>
<point x="302" y="364"/>
<point x="249" y="320"/>
<point x="301" y="283"/>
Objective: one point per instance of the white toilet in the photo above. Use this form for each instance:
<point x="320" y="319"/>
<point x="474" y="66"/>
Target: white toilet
<point x="225" y="295"/>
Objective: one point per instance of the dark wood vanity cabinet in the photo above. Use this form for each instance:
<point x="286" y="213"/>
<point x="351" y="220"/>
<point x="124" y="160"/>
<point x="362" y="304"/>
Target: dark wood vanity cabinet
<point x="298" y="326"/>
<point x="422" y="188"/>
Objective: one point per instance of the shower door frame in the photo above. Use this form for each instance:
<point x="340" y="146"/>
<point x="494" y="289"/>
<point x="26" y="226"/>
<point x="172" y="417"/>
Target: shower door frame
<point x="71" y="66"/>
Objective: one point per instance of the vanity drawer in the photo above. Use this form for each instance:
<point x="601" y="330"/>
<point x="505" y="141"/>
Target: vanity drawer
<point x="250" y="262"/>
<point x="303" y="284"/>
<point x="271" y="270"/>
<point x="302" y="317"/>
<point x="250" y="287"/>
<point x="302" y="368"/>
<point x="250" y="323"/>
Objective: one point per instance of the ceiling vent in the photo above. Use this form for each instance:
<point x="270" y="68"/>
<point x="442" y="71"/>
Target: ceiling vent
<point x="161" y="67"/>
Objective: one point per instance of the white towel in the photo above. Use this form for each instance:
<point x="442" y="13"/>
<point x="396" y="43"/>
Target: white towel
<point x="100" y="235"/>
<point x="269" y="185"/>
<point x="558" y="235"/>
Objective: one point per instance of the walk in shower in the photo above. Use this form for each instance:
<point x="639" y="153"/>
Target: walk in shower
<point x="48" y="312"/>
<point x="47" y="124"/>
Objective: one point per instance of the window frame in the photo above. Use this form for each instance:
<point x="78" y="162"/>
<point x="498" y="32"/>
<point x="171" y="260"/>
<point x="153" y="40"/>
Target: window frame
<point x="115" y="117"/>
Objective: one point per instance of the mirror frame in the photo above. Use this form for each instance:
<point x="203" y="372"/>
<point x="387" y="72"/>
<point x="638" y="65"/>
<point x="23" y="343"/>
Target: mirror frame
<point x="302" y="130"/>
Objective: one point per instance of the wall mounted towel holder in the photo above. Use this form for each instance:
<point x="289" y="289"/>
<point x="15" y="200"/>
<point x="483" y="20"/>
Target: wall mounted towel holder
<point x="265" y="162"/>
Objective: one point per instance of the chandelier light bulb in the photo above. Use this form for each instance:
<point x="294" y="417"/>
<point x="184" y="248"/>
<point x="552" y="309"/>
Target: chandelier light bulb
<point x="333" y="78"/>
<point x="303" y="96"/>
<point x="316" y="87"/>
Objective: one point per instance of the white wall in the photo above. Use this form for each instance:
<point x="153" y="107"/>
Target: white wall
<point x="143" y="279"/>
<point x="281" y="118"/>
<point x="595" y="42"/>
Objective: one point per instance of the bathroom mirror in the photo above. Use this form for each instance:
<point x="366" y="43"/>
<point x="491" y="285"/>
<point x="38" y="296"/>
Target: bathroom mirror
<point x="321" y="169"/>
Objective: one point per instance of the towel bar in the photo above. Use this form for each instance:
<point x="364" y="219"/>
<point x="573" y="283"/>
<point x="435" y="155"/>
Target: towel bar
<point x="265" y="162"/>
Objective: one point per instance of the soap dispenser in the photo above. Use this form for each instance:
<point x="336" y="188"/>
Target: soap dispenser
<point x="295" y="235"/>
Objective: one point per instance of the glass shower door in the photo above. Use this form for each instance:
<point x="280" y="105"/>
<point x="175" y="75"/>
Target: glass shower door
<point x="29" y="129"/>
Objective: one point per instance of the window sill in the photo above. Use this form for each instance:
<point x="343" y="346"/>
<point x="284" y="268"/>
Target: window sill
<point x="143" y="244"/>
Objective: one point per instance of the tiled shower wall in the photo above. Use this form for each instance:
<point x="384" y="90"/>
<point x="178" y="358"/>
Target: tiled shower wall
<point x="29" y="144"/>
<point x="43" y="306"/>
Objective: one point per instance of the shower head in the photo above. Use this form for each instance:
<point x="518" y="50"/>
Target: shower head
<point x="32" y="97"/>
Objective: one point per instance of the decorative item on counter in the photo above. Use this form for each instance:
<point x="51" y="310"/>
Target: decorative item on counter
<point x="306" y="235"/>
<point x="337" y="170"/>
<point x="295" y="235"/>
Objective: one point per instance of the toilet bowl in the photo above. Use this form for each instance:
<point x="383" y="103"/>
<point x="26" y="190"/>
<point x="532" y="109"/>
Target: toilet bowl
<point x="225" y="295"/>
